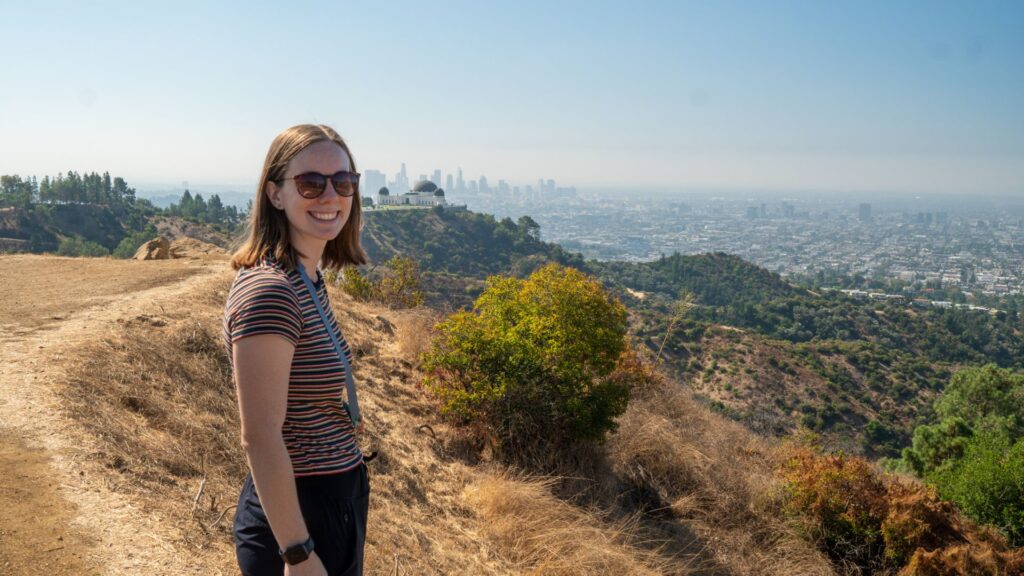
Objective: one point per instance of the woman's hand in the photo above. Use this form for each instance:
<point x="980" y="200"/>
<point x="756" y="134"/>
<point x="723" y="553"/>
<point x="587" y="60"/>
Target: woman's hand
<point x="312" y="566"/>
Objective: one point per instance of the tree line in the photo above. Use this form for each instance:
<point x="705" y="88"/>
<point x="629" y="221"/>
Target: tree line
<point x="69" y="188"/>
<point x="98" y="189"/>
<point x="93" y="214"/>
<point x="210" y="212"/>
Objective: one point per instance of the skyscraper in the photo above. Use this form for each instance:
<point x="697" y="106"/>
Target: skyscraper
<point x="401" y="182"/>
<point x="372" y="182"/>
<point x="864" y="212"/>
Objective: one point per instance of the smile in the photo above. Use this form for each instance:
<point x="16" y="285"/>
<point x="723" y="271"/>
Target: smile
<point x="325" y="216"/>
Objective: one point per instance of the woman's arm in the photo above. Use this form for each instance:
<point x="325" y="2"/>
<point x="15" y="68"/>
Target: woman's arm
<point x="262" y="367"/>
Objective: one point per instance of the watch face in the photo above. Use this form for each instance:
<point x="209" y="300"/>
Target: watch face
<point x="297" y="553"/>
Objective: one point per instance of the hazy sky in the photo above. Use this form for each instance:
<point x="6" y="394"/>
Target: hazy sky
<point x="922" y="96"/>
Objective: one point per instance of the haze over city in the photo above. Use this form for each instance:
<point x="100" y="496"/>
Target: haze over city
<point x="915" y="97"/>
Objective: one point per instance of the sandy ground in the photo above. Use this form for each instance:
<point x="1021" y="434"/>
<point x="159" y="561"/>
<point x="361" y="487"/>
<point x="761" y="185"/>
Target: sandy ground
<point x="55" y="518"/>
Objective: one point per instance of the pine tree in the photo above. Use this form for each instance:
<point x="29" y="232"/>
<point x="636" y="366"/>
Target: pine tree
<point x="186" y="204"/>
<point x="199" y="208"/>
<point x="215" y="210"/>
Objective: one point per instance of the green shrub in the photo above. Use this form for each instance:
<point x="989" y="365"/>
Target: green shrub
<point x="985" y="399"/>
<point x="974" y="454"/>
<point x="130" y="243"/>
<point x="935" y="444"/>
<point x="399" y="286"/>
<point x="77" y="246"/>
<point x="355" y="284"/>
<point x="988" y="393"/>
<point x="988" y="483"/>
<point x="537" y="361"/>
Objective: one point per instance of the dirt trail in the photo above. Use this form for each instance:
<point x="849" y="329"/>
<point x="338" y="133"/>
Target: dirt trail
<point x="55" y="518"/>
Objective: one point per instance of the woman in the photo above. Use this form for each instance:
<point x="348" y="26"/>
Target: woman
<point x="302" y="510"/>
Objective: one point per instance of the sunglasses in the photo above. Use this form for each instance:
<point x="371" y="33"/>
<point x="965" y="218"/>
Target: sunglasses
<point x="312" y="184"/>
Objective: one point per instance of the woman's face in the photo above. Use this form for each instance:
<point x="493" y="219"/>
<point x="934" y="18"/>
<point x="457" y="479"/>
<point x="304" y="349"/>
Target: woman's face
<point x="313" y="222"/>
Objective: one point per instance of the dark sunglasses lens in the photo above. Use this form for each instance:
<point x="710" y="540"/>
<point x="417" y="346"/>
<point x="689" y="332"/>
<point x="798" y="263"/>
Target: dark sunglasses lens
<point x="310" y="185"/>
<point x="345" y="182"/>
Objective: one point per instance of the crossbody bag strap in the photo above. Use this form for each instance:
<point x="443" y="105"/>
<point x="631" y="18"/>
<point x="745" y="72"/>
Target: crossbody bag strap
<point x="350" y="383"/>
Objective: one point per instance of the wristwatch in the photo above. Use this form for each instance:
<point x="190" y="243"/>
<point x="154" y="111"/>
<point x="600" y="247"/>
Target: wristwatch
<point x="297" y="552"/>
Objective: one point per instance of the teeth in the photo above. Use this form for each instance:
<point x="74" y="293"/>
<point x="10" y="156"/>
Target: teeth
<point x="324" y="215"/>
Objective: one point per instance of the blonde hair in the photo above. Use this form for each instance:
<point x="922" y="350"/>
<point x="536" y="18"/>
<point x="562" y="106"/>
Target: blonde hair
<point x="267" y="231"/>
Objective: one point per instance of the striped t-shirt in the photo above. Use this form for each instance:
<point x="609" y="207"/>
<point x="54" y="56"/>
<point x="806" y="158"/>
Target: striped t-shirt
<point x="317" y="429"/>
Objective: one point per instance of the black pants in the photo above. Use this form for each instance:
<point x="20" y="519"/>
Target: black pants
<point x="335" y="509"/>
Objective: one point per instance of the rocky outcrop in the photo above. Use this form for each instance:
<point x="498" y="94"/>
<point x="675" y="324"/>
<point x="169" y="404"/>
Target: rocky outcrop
<point x="156" y="249"/>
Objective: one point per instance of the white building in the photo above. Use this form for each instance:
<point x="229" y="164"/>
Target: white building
<point x="424" y="193"/>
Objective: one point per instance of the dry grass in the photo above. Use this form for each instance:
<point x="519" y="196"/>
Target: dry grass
<point x="714" y="478"/>
<point x="545" y="535"/>
<point x="156" y="397"/>
<point x="413" y="329"/>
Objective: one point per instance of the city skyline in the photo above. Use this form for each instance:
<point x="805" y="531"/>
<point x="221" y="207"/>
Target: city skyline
<point x="916" y="98"/>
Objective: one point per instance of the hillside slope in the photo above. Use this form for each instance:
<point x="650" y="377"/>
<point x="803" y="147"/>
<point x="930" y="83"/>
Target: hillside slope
<point x="119" y="445"/>
<point x="777" y="356"/>
<point x="41" y="227"/>
<point x="120" y="411"/>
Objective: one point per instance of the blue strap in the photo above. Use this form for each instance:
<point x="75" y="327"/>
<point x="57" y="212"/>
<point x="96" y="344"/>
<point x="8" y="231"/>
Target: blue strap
<point x="350" y="383"/>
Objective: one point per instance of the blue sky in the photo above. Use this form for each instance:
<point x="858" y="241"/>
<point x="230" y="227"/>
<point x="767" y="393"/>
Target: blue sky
<point x="919" y="97"/>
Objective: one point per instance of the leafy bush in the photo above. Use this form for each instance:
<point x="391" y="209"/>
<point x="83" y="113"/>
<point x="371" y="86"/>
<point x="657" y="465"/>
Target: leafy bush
<point x="538" y="361"/>
<point x="400" y="286"/>
<point x="988" y="483"/>
<point x="935" y="444"/>
<point x="76" y="246"/>
<point x="974" y="454"/>
<point x="987" y="397"/>
<point x="355" y="284"/>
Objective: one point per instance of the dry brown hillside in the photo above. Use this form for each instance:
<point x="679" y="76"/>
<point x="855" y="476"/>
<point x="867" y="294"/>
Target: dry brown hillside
<point x="119" y="450"/>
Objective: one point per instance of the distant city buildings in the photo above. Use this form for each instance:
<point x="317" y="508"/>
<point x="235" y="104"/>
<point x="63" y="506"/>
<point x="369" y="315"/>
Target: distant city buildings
<point x="457" y="186"/>
<point x="976" y="253"/>
<point x="929" y="248"/>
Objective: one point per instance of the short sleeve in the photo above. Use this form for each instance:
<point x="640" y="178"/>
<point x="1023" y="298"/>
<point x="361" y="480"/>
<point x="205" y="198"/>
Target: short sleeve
<point x="263" y="301"/>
